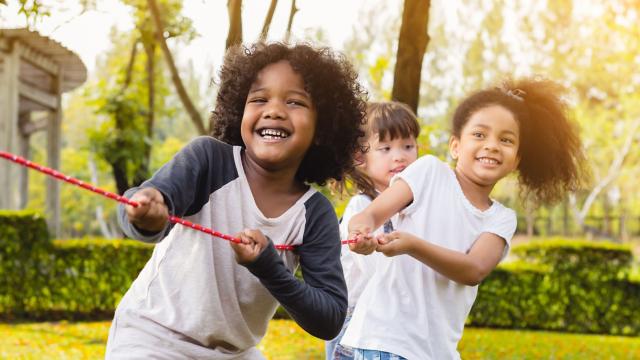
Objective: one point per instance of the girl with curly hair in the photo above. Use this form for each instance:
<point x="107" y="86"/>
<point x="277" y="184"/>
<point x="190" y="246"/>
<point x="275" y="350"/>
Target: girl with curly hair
<point x="452" y="234"/>
<point x="285" y="117"/>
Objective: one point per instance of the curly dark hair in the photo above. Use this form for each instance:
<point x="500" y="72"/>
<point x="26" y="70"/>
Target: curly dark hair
<point x="332" y="83"/>
<point x="551" y="156"/>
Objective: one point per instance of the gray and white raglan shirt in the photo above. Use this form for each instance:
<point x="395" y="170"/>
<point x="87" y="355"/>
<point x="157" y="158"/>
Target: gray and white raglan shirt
<point x="192" y="299"/>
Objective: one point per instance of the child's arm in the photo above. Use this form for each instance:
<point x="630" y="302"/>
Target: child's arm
<point x="181" y="187"/>
<point x="467" y="269"/>
<point x="152" y="213"/>
<point x="392" y="200"/>
<point x="319" y="304"/>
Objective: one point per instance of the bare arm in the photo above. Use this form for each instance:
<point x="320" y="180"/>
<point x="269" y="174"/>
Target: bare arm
<point x="467" y="269"/>
<point x="392" y="200"/>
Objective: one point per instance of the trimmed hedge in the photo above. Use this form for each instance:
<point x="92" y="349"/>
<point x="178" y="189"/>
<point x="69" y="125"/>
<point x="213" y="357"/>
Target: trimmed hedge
<point x="557" y="284"/>
<point x="562" y="285"/>
<point x="24" y="260"/>
<point x="63" y="279"/>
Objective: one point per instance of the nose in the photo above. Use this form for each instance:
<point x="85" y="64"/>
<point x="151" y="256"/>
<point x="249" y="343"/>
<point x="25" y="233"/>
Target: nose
<point x="397" y="155"/>
<point x="274" y="110"/>
<point x="491" y="144"/>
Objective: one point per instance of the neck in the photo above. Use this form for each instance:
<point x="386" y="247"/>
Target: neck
<point x="477" y="194"/>
<point x="281" y="181"/>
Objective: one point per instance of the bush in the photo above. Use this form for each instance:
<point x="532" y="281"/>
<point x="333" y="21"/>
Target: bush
<point x="562" y="285"/>
<point x="63" y="279"/>
<point x="25" y="252"/>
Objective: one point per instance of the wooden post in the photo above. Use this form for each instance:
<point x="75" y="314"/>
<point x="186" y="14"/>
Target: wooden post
<point x="54" y="133"/>
<point x="25" y="153"/>
<point x="9" y="77"/>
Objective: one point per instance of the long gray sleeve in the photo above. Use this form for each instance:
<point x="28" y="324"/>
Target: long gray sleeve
<point x="185" y="183"/>
<point x="319" y="304"/>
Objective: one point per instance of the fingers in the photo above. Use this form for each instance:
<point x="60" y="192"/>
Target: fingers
<point x="151" y="213"/>
<point x="251" y="244"/>
<point x="365" y="244"/>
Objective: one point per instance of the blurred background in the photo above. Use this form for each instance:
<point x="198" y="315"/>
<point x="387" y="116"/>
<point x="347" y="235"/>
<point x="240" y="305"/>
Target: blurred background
<point x="108" y="90"/>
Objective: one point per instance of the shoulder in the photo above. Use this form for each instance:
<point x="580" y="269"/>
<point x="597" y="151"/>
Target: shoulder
<point x="358" y="202"/>
<point x="427" y="164"/>
<point x="209" y="143"/>
<point x="318" y="204"/>
<point x="504" y="214"/>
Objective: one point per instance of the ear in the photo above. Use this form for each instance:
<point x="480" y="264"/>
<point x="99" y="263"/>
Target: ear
<point x="454" y="145"/>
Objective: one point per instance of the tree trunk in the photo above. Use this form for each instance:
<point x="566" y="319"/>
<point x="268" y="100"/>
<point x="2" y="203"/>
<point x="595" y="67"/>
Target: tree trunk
<point x="292" y="13"/>
<point x="580" y="213"/>
<point x="142" y="172"/>
<point x="175" y="77"/>
<point x="412" y="45"/>
<point x="267" y="20"/>
<point x="235" y="23"/>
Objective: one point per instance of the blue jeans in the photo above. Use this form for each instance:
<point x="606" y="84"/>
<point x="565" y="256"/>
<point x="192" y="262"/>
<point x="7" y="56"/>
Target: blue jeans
<point x="364" y="354"/>
<point x="333" y="350"/>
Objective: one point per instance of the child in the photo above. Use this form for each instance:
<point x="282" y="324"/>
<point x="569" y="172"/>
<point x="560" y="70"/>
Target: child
<point x="390" y="139"/>
<point x="453" y="233"/>
<point x="289" y="116"/>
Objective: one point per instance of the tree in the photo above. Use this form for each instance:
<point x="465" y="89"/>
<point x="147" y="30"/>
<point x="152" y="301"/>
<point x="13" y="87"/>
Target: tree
<point x="267" y="20"/>
<point x="412" y="45"/>
<point x="196" y="118"/>
<point x="235" y="23"/>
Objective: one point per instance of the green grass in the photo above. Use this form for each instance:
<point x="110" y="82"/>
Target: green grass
<point x="285" y="340"/>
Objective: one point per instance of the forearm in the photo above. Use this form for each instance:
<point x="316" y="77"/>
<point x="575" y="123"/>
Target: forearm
<point x="318" y="310"/>
<point x="457" y="266"/>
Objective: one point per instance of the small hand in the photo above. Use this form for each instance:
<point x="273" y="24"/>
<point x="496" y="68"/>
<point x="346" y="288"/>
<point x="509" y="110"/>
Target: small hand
<point x="365" y="243"/>
<point x="360" y="227"/>
<point x="152" y="213"/>
<point x="395" y="243"/>
<point x="251" y="245"/>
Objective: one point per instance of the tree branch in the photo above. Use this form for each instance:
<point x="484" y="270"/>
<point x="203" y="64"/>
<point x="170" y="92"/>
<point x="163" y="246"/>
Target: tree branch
<point x="175" y="77"/>
<point x="235" y="23"/>
<point x="292" y="13"/>
<point x="267" y="20"/>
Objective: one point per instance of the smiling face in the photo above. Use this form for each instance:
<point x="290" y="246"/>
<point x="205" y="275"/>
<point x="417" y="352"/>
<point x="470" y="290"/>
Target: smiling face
<point x="487" y="149"/>
<point x="386" y="158"/>
<point x="279" y="120"/>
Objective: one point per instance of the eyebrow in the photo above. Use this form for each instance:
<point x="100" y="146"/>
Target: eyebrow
<point x="297" y="92"/>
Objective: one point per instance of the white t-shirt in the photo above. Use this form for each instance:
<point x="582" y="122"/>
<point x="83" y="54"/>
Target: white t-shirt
<point x="407" y="308"/>
<point x="357" y="268"/>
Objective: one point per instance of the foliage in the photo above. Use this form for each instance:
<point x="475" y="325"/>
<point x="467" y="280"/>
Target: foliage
<point x="62" y="279"/>
<point x="24" y="249"/>
<point x="574" y="286"/>
<point x="286" y="341"/>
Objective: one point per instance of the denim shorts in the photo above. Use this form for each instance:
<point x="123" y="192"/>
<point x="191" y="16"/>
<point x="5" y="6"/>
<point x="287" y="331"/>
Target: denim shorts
<point x="333" y="349"/>
<point x="364" y="354"/>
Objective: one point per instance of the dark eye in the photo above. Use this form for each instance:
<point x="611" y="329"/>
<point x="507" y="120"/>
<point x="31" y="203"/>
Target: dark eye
<point x="384" y="148"/>
<point x="257" y="100"/>
<point x="409" y="147"/>
<point x="477" y="134"/>
<point x="297" y="103"/>
<point x="508" y="140"/>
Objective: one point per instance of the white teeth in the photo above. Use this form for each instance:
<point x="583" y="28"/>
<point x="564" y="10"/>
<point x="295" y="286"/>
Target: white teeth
<point x="273" y="133"/>
<point x="487" y="160"/>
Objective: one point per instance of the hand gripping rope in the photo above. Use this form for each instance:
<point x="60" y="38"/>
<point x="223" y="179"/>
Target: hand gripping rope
<point x="124" y="200"/>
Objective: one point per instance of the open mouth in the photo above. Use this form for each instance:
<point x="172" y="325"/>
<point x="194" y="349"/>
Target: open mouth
<point x="488" y="161"/>
<point x="273" y="134"/>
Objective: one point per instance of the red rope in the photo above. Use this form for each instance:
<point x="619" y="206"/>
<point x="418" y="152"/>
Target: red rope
<point x="124" y="200"/>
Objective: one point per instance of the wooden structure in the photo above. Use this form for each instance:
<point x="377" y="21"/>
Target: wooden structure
<point x="34" y="72"/>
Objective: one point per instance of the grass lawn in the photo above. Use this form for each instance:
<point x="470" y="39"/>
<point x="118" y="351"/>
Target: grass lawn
<point x="285" y="340"/>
